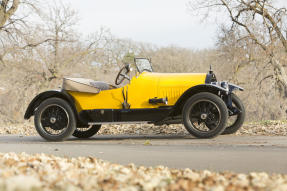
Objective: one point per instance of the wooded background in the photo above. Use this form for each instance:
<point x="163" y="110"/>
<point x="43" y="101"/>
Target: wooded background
<point x="39" y="46"/>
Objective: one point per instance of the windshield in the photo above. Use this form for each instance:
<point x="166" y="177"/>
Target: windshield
<point x="143" y="64"/>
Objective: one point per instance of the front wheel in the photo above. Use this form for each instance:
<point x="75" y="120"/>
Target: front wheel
<point x="235" y="121"/>
<point x="205" y="115"/>
<point x="55" y="120"/>
<point x="86" y="132"/>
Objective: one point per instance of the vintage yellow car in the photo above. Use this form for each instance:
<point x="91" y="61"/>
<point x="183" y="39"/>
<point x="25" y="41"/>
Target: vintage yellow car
<point x="196" y="100"/>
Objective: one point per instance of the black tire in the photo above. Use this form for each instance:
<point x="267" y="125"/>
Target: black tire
<point x="237" y="124"/>
<point x="55" y="114"/>
<point x="84" y="133"/>
<point x="215" y="110"/>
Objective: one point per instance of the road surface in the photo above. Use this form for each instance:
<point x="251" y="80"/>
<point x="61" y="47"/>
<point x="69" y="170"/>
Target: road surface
<point x="224" y="153"/>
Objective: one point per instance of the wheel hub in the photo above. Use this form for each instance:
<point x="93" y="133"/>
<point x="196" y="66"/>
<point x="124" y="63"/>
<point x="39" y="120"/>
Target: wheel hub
<point x="54" y="117"/>
<point x="203" y="116"/>
<point x="53" y="120"/>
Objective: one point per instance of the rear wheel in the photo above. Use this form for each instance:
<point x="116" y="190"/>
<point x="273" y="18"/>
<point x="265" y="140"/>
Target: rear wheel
<point x="86" y="132"/>
<point x="235" y="121"/>
<point x="55" y="120"/>
<point x="205" y="115"/>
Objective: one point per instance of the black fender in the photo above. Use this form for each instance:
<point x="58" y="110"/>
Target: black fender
<point x="45" y="95"/>
<point x="211" y="88"/>
<point x="233" y="87"/>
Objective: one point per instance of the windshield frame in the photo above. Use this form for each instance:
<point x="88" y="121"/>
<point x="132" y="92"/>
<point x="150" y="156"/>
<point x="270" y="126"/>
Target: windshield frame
<point x="144" y="69"/>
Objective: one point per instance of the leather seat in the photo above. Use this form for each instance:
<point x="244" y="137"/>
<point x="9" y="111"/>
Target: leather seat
<point x="100" y="85"/>
<point x="85" y="85"/>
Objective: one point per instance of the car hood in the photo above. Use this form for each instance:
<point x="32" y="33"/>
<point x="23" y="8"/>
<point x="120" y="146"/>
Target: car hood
<point x="176" y="79"/>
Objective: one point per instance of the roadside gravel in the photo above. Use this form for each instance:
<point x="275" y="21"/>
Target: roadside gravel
<point x="266" y="128"/>
<point x="43" y="172"/>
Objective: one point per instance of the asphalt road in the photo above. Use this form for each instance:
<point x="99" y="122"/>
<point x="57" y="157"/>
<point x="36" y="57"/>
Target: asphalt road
<point x="224" y="153"/>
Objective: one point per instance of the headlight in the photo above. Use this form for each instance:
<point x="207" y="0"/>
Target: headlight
<point x="210" y="78"/>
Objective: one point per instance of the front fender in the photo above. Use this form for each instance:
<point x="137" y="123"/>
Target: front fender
<point x="222" y="89"/>
<point x="45" y="95"/>
<point x="212" y="88"/>
<point x="233" y="87"/>
<point x="229" y="87"/>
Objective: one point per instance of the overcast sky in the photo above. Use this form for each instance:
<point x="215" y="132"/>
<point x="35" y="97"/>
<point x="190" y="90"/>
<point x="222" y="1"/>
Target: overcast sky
<point x="161" y="22"/>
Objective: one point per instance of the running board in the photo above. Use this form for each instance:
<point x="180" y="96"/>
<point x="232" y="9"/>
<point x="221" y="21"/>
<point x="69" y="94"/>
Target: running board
<point x="119" y="123"/>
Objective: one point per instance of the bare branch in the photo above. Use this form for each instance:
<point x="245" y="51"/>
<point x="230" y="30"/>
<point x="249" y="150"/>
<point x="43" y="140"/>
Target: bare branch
<point x="235" y="20"/>
<point x="32" y="45"/>
<point x="265" y="78"/>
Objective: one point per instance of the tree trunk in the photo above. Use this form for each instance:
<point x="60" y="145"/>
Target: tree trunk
<point x="2" y="19"/>
<point x="280" y="76"/>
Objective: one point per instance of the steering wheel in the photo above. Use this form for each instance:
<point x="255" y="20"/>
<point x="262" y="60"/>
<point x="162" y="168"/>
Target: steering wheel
<point x="123" y="74"/>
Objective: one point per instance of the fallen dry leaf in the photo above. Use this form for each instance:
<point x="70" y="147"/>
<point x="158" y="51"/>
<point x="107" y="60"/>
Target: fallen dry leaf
<point x="47" y="172"/>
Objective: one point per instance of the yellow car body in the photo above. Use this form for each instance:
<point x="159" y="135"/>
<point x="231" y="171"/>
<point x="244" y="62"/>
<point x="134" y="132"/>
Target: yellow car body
<point x="140" y="89"/>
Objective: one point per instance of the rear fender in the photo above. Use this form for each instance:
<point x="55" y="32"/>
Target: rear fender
<point x="45" y="95"/>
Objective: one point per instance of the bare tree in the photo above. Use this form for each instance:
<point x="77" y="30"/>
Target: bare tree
<point x="261" y="22"/>
<point x="10" y="21"/>
<point x="7" y="9"/>
<point x="14" y="21"/>
<point x="59" y="22"/>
